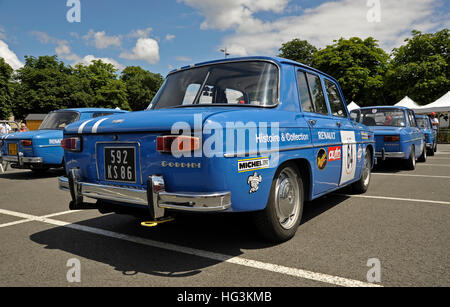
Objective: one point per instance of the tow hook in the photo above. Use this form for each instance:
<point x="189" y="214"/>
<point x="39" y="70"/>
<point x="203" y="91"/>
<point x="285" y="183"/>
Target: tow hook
<point x="157" y="222"/>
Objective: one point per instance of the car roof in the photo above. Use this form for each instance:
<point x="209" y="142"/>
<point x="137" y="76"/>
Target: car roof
<point x="386" y="107"/>
<point x="279" y="61"/>
<point x="88" y="110"/>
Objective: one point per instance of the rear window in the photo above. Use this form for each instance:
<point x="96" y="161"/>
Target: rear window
<point x="380" y="117"/>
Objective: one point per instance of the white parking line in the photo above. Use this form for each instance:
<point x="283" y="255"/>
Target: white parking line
<point x="448" y="165"/>
<point x="409" y="175"/>
<point x="29" y="218"/>
<point x="325" y="278"/>
<point x="397" y="198"/>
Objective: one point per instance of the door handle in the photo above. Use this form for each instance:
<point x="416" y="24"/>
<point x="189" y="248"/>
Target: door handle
<point x="312" y="122"/>
<point x="339" y="124"/>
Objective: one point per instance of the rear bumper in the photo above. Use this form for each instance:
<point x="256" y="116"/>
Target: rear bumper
<point x="21" y="160"/>
<point x="386" y="155"/>
<point x="154" y="197"/>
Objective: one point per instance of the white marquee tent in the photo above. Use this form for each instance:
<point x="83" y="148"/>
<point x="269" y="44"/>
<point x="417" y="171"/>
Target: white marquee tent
<point x="408" y="103"/>
<point x="352" y="106"/>
<point x="440" y="105"/>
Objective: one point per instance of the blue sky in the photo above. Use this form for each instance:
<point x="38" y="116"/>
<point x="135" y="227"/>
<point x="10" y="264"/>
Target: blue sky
<point x="160" y="35"/>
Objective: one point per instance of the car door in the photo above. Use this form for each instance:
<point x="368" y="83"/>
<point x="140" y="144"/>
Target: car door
<point x="324" y="131"/>
<point x="416" y="133"/>
<point x="348" y="133"/>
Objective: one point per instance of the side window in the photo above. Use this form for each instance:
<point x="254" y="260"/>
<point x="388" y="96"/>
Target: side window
<point x="317" y="94"/>
<point x="234" y="96"/>
<point x="305" y="97"/>
<point x="334" y="98"/>
<point x="191" y="92"/>
<point x="101" y="114"/>
<point x="412" y="119"/>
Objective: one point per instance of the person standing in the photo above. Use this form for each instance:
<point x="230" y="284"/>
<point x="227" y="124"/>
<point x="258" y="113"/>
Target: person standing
<point x="434" y="121"/>
<point x="5" y="128"/>
<point x="23" y="128"/>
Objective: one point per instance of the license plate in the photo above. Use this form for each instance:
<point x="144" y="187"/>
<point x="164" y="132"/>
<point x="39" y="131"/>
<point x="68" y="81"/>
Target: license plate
<point x="120" y="164"/>
<point x="12" y="149"/>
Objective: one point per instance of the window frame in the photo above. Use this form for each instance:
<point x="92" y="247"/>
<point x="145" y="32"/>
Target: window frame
<point x="314" y="74"/>
<point x="341" y="98"/>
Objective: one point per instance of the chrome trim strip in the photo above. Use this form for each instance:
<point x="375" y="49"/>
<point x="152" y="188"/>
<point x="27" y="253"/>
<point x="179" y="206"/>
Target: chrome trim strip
<point x="390" y="154"/>
<point x="409" y="141"/>
<point x="46" y="146"/>
<point x="24" y="159"/>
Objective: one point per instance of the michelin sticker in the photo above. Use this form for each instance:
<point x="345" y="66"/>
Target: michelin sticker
<point x="348" y="156"/>
<point x="248" y="165"/>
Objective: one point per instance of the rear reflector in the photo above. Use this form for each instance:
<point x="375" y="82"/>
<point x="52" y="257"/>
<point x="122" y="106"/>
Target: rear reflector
<point x="71" y="144"/>
<point x="26" y="142"/>
<point x="177" y="143"/>
<point x="391" y="138"/>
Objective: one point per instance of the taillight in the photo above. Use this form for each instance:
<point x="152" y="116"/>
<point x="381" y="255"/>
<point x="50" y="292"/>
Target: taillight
<point x="177" y="143"/>
<point x="26" y="142"/>
<point x="391" y="138"/>
<point x="71" y="144"/>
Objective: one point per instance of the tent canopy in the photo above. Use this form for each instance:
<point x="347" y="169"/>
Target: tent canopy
<point x="352" y="106"/>
<point x="440" y="105"/>
<point x="408" y="103"/>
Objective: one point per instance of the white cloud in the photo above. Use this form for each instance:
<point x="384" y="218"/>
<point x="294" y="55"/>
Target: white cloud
<point x="146" y="49"/>
<point x="170" y="37"/>
<point x="9" y="56"/>
<point x="101" y="40"/>
<point x="87" y="60"/>
<point x="2" y="33"/>
<point x="320" y="25"/>
<point x="140" y="33"/>
<point x="183" y="59"/>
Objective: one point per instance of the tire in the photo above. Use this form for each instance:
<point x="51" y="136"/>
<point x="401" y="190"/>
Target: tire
<point x="423" y="156"/>
<point x="362" y="184"/>
<point x="410" y="164"/>
<point x="279" y="221"/>
<point x="435" y="147"/>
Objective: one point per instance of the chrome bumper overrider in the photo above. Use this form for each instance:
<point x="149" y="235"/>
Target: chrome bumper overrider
<point x="154" y="197"/>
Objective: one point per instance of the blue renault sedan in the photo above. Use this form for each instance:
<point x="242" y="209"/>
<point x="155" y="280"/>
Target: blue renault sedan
<point x="41" y="149"/>
<point x="397" y="134"/>
<point x="424" y="123"/>
<point x="253" y="134"/>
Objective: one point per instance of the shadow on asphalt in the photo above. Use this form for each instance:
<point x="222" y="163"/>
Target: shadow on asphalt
<point x="226" y="234"/>
<point x="29" y="175"/>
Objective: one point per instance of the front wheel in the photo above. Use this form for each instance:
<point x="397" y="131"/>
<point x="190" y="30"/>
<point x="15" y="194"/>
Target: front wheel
<point x="362" y="184"/>
<point x="279" y="221"/>
<point x="423" y="157"/>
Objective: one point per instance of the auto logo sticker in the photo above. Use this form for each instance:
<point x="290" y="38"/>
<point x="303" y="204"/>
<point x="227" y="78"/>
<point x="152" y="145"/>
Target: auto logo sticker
<point x="254" y="182"/>
<point x="322" y="159"/>
<point x="359" y="152"/>
<point x="349" y="156"/>
<point x="334" y="153"/>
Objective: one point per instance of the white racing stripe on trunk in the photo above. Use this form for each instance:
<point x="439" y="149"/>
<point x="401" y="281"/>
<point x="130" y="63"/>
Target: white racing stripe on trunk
<point x="95" y="127"/>
<point x="325" y="278"/>
<point x="80" y="129"/>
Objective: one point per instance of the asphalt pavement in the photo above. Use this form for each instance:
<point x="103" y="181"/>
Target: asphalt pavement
<point x="402" y="223"/>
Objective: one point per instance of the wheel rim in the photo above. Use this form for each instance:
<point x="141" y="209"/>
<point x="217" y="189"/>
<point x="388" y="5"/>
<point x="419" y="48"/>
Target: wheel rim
<point x="366" y="171"/>
<point x="287" y="198"/>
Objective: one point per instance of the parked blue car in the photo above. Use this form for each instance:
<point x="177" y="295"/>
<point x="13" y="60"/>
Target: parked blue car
<point x="397" y="134"/>
<point x="257" y="134"/>
<point x="41" y="149"/>
<point x="424" y="123"/>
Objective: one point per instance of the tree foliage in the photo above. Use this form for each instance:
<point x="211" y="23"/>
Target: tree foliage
<point x="298" y="50"/>
<point x="141" y="86"/>
<point x="359" y="66"/>
<point x="420" y="68"/>
<point x="5" y="89"/>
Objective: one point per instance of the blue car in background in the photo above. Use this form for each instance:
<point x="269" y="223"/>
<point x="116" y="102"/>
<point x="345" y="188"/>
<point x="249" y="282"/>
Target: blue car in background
<point x="397" y="133"/>
<point x="424" y="123"/>
<point x="41" y="149"/>
<point x="254" y="134"/>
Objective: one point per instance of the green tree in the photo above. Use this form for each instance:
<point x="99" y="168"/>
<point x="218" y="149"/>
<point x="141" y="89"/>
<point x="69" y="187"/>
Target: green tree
<point x="44" y="85"/>
<point x="141" y="86"/>
<point x="420" y="68"/>
<point x="359" y="66"/>
<point x="298" y="50"/>
<point x="5" y="89"/>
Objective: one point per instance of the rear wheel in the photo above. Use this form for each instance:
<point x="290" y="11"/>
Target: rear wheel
<point x="279" y="221"/>
<point x="410" y="164"/>
<point x="423" y="157"/>
<point x="362" y="184"/>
